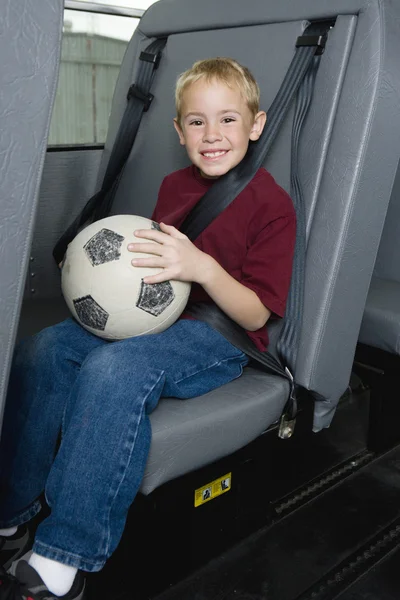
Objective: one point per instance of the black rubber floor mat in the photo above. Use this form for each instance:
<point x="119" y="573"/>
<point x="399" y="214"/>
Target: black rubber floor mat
<point x="290" y="558"/>
<point x="380" y="583"/>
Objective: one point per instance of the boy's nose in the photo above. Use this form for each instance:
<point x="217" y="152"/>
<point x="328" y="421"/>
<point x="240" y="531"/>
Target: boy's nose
<point x="212" y="134"/>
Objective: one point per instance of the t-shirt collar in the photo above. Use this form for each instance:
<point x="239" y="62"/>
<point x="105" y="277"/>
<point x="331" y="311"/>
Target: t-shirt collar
<point x="202" y="180"/>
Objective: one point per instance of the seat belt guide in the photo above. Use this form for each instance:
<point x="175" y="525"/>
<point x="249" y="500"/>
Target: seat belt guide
<point x="145" y="98"/>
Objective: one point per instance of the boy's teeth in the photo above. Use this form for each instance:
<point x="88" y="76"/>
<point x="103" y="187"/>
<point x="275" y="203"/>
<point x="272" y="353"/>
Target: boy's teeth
<point x="213" y="154"/>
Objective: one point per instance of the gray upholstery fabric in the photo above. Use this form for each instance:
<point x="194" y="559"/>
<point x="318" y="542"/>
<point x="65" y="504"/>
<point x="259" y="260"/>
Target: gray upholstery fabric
<point x="387" y="264"/>
<point x="348" y="156"/>
<point x="197" y="431"/>
<point x="30" y="44"/>
<point x="60" y="200"/>
<point x="208" y="14"/>
<point x="380" y="326"/>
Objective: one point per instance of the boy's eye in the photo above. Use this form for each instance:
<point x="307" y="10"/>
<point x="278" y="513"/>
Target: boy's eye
<point x="196" y="122"/>
<point x="228" y="120"/>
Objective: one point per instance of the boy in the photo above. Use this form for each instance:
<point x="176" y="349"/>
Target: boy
<point x="100" y="394"/>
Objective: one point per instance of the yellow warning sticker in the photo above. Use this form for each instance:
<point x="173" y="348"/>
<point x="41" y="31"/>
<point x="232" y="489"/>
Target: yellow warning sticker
<point x="213" y="490"/>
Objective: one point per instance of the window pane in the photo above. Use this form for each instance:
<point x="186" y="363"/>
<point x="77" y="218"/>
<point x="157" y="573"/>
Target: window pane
<point x="92" y="51"/>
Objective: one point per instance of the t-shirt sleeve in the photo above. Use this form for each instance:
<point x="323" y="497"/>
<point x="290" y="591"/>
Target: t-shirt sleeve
<point x="267" y="267"/>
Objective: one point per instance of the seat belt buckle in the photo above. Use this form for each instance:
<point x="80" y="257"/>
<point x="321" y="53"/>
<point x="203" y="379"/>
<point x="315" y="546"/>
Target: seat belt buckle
<point x="137" y="93"/>
<point x="287" y="421"/>
<point x="286" y="427"/>
<point x="319" y="41"/>
<point x="151" y="58"/>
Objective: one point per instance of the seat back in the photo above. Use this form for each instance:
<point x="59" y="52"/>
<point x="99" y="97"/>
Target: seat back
<point x="380" y="326"/>
<point x="30" y="43"/>
<point x="387" y="264"/>
<point x="349" y="148"/>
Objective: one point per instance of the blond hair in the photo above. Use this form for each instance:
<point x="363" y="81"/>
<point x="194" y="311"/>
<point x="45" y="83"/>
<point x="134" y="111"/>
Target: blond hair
<point x="226" y="70"/>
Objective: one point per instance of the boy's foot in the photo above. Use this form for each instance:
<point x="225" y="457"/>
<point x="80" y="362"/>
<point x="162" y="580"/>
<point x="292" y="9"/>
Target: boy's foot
<point x="14" y="546"/>
<point x="28" y="585"/>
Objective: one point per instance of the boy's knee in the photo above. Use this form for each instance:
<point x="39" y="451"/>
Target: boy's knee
<point x="105" y="360"/>
<point x="41" y="346"/>
<point x="102" y="361"/>
<point x="115" y="358"/>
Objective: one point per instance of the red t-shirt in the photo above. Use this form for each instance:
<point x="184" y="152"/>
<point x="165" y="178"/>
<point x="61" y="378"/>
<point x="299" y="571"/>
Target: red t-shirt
<point x="252" y="239"/>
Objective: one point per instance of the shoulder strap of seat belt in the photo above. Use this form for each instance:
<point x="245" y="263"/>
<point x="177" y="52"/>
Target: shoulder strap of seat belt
<point x="306" y="59"/>
<point x="139" y="100"/>
<point x="229" y="186"/>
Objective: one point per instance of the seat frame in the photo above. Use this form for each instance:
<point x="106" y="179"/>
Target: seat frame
<point x="379" y="371"/>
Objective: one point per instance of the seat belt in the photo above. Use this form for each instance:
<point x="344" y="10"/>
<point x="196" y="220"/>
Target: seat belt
<point x="139" y="100"/>
<point x="299" y="79"/>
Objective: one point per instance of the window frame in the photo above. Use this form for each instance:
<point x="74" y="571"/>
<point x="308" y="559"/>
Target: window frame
<point x="105" y="9"/>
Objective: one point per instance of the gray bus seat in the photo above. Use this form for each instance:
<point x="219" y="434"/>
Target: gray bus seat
<point x="377" y="358"/>
<point x="380" y="326"/>
<point x="28" y="79"/>
<point x="348" y="156"/>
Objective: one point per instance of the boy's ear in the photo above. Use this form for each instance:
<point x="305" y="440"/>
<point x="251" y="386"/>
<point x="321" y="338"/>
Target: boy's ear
<point x="259" y="123"/>
<point x="179" y="132"/>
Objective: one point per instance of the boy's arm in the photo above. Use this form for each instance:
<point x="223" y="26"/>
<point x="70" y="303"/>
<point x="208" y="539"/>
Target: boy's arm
<point x="265" y="274"/>
<point x="238" y="301"/>
<point x="181" y="260"/>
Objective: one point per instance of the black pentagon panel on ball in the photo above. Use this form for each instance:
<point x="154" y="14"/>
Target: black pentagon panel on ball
<point x="104" y="247"/>
<point x="155" y="225"/>
<point x="90" y="313"/>
<point x="154" y="298"/>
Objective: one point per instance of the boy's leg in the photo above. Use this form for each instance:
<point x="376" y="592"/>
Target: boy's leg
<point x="42" y="375"/>
<point x="106" y="433"/>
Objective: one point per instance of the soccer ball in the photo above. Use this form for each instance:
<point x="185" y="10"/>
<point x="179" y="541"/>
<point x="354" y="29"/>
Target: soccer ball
<point x="106" y="293"/>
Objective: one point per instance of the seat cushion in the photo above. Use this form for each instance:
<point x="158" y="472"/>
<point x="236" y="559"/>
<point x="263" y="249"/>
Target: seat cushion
<point x="380" y="326"/>
<point x="188" y="434"/>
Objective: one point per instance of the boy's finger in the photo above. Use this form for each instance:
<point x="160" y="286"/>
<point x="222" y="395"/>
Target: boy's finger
<point x="148" y="262"/>
<point x="157" y="278"/>
<point x="145" y="248"/>
<point x="152" y="234"/>
<point x="172" y="231"/>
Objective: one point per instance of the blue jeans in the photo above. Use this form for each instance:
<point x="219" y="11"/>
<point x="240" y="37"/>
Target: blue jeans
<point x="99" y="395"/>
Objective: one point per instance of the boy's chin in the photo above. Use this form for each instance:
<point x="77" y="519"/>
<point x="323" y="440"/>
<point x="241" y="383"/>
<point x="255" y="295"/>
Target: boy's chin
<point x="213" y="172"/>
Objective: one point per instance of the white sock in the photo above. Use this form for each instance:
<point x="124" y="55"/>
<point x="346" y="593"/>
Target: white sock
<point x="8" y="532"/>
<point x="56" y="576"/>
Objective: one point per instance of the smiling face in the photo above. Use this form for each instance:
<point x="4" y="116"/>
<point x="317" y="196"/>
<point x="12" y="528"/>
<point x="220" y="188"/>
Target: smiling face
<point x="216" y="126"/>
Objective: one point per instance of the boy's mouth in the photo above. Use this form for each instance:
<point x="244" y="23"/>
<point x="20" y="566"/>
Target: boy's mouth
<point x="213" y="154"/>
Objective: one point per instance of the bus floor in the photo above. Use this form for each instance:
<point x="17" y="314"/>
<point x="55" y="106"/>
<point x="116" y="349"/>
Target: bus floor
<point x="343" y="543"/>
<point x="331" y="530"/>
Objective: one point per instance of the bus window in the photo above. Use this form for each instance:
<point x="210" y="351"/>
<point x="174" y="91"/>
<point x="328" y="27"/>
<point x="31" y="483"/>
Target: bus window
<point x="95" y="37"/>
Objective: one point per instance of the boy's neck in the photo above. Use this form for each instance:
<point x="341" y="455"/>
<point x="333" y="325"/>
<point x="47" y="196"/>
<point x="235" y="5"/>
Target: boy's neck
<point x="204" y="176"/>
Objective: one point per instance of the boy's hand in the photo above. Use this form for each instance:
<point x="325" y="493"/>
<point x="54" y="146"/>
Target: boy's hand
<point x="173" y="252"/>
